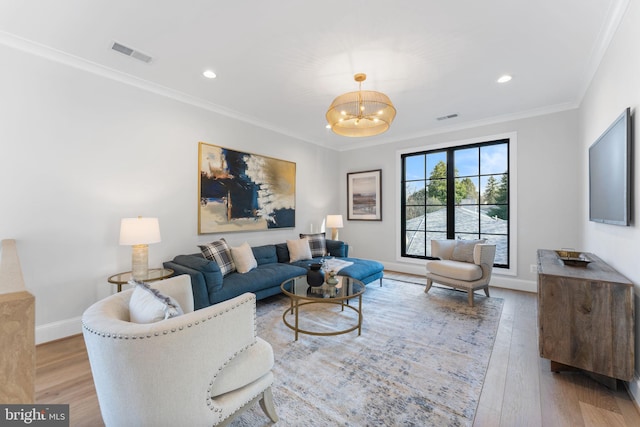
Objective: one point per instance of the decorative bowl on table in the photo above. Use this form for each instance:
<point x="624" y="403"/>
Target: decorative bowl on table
<point x="573" y="258"/>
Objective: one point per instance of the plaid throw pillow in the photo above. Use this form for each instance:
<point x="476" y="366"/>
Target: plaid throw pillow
<point x="317" y="244"/>
<point x="219" y="252"/>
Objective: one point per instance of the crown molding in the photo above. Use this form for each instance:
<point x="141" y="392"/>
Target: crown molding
<point x="73" y="61"/>
<point x="607" y="32"/>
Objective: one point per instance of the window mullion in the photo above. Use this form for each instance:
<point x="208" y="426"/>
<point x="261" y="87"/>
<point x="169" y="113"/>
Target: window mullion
<point x="451" y="195"/>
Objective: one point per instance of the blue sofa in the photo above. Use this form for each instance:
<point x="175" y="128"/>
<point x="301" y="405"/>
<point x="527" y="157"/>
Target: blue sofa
<point x="210" y="287"/>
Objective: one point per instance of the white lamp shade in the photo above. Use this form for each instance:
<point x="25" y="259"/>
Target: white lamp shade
<point x="139" y="231"/>
<point x="334" y="221"/>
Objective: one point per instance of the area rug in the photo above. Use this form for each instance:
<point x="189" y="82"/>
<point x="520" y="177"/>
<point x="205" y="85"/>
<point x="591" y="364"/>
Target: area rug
<point x="421" y="360"/>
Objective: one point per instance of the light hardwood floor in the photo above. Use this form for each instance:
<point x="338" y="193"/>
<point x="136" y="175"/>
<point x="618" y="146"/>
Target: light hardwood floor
<point x="519" y="390"/>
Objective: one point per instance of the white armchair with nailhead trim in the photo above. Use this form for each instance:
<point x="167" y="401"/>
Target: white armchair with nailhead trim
<point x="201" y="368"/>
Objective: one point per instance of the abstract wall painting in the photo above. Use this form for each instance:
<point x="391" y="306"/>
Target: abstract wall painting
<point x="243" y="191"/>
<point x="364" y="195"/>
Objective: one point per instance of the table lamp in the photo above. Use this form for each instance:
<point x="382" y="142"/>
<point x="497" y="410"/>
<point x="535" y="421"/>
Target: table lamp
<point x="334" y="222"/>
<point x="139" y="233"/>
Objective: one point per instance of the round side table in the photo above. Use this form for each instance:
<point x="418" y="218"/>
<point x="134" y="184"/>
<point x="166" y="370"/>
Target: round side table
<point x="153" y="275"/>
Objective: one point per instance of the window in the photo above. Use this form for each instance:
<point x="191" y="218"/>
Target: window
<point x="459" y="192"/>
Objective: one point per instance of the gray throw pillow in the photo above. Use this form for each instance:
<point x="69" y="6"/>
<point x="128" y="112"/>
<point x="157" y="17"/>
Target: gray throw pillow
<point x="463" y="250"/>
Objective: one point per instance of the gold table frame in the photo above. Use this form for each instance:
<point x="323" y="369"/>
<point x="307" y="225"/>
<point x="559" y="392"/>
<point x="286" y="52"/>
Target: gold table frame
<point x="153" y="275"/>
<point x="340" y="294"/>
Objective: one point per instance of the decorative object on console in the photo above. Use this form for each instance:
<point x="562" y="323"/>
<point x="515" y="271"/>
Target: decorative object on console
<point x="364" y="195"/>
<point x="361" y="113"/>
<point x="573" y="258"/>
<point x="315" y="276"/>
<point x="334" y="222"/>
<point x="139" y="233"/>
<point x="242" y="191"/>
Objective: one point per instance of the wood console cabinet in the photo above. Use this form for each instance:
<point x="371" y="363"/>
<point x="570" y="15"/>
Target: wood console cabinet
<point x="585" y="316"/>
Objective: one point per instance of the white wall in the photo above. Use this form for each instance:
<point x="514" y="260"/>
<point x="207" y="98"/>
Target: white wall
<point x="548" y="182"/>
<point x="79" y="151"/>
<point x="615" y="87"/>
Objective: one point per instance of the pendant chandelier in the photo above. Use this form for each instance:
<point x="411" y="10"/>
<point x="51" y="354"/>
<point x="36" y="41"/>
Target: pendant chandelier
<point x="361" y="113"/>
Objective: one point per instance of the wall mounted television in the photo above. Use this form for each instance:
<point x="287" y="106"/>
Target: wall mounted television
<point x="610" y="173"/>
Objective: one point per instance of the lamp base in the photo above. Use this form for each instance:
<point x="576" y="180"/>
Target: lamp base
<point x="334" y="234"/>
<point x="140" y="262"/>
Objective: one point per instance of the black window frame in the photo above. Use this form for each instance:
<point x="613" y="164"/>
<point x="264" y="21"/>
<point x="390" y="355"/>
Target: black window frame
<point x="451" y="203"/>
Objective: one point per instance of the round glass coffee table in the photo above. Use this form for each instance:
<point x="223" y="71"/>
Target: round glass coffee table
<point x="301" y="294"/>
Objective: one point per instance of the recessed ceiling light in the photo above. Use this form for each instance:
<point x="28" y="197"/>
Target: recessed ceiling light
<point x="504" y="79"/>
<point x="209" y="74"/>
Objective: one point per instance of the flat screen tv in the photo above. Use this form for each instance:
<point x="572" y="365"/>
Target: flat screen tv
<point x="610" y="173"/>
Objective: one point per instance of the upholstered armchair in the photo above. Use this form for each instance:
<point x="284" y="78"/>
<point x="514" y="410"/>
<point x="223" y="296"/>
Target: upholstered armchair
<point x="462" y="265"/>
<point x="200" y="368"/>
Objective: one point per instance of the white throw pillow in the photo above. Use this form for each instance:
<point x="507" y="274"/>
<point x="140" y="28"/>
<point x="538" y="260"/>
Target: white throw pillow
<point x="148" y="305"/>
<point x="243" y="258"/>
<point x="299" y="250"/>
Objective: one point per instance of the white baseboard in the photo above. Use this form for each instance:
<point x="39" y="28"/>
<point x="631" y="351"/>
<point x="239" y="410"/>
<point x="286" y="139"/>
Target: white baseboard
<point x="497" y="280"/>
<point x="516" y="284"/>
<point x="57" y="330"/>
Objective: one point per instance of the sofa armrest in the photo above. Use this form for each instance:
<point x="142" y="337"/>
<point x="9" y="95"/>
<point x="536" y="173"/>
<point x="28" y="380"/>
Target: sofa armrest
<point x="484" y="254"/>
<point x="198" y="283"/>
<point x="206" y="276"/>
<point x="198" y="263"/>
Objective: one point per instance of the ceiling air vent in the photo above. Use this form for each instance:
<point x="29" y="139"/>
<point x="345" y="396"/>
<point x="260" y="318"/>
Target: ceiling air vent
<point x="131" y="52"/>
<point x="450" y="116"/>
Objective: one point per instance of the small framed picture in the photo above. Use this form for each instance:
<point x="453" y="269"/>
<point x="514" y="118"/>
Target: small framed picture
<point x="364" y="195"/>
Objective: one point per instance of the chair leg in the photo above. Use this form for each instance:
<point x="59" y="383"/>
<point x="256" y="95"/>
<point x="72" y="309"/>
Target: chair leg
<point x="486" y="291"/>
<point x="429" y="283"/>
<point x="266" y="403"/>
<point x="471" y="297"/>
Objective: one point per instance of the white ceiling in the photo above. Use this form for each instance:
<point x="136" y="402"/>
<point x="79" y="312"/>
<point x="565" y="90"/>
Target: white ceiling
<point x="280" y="63"/>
